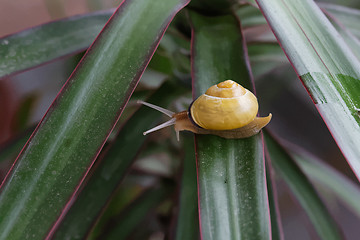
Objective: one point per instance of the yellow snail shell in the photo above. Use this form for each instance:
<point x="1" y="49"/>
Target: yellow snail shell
<point x="224" y="106"/>
<point x="227" y="110"/>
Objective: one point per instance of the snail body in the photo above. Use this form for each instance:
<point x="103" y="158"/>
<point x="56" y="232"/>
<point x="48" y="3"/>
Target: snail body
<point x="227" y="110"/>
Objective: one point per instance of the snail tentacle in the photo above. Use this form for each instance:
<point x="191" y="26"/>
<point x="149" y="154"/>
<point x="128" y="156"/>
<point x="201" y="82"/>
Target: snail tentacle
<point x="161" y="126"/>
<point x="167" y="112"/>
<point x="160" y="109"/>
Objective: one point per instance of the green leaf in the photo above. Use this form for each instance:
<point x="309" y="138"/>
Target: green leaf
<point x="276" y="225"/>
<point x="212" y="7"/>
<point x="127" y="221"/>
<point x="250" y="16"/>
<point x="231" y="175"/>
<point x="188" y="221"/>
<point x="303" y="190"/>
<point x="344" y="20"/>
<point x="325" y="176"/>
<point x="250" y="2"/>
<point x="11" y="149"/>
<point x="325" y="64"/>
<point x="55" y="160"/>
<point x="23" y="112"/>
<point x="104" y="179"/>
<point x="265" y="57"/>
<point x="130" y="189"/>
<point x="348" y="17"/>
<point x="38" y="45"/>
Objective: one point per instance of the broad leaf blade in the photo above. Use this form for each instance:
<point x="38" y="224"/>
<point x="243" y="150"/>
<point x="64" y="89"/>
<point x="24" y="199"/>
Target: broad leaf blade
<point x="55" y="160"/>
<point x="38" y="45"/>
<point x="326" y="66"/>
<point x="303" y="190"/>
<point x="231" y="175"/>
<point x="112" y="168"/>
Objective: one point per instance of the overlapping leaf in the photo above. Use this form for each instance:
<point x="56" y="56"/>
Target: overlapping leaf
<point x="112" y="168"/>
<point x="303" y="190"/>
<point x="325" y="64"/>
<point x="38" y="45"/>
<point x="53" y="163"/>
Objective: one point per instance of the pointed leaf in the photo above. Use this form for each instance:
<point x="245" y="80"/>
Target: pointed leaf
<point x="41" y="44"/>
<point x="55" y="160"/>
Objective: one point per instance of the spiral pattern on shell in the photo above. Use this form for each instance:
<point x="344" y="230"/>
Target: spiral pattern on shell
<point x="224" y="106"/>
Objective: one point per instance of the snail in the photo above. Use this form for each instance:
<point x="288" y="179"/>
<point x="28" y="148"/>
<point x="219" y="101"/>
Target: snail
<point x="227" y="110"/>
